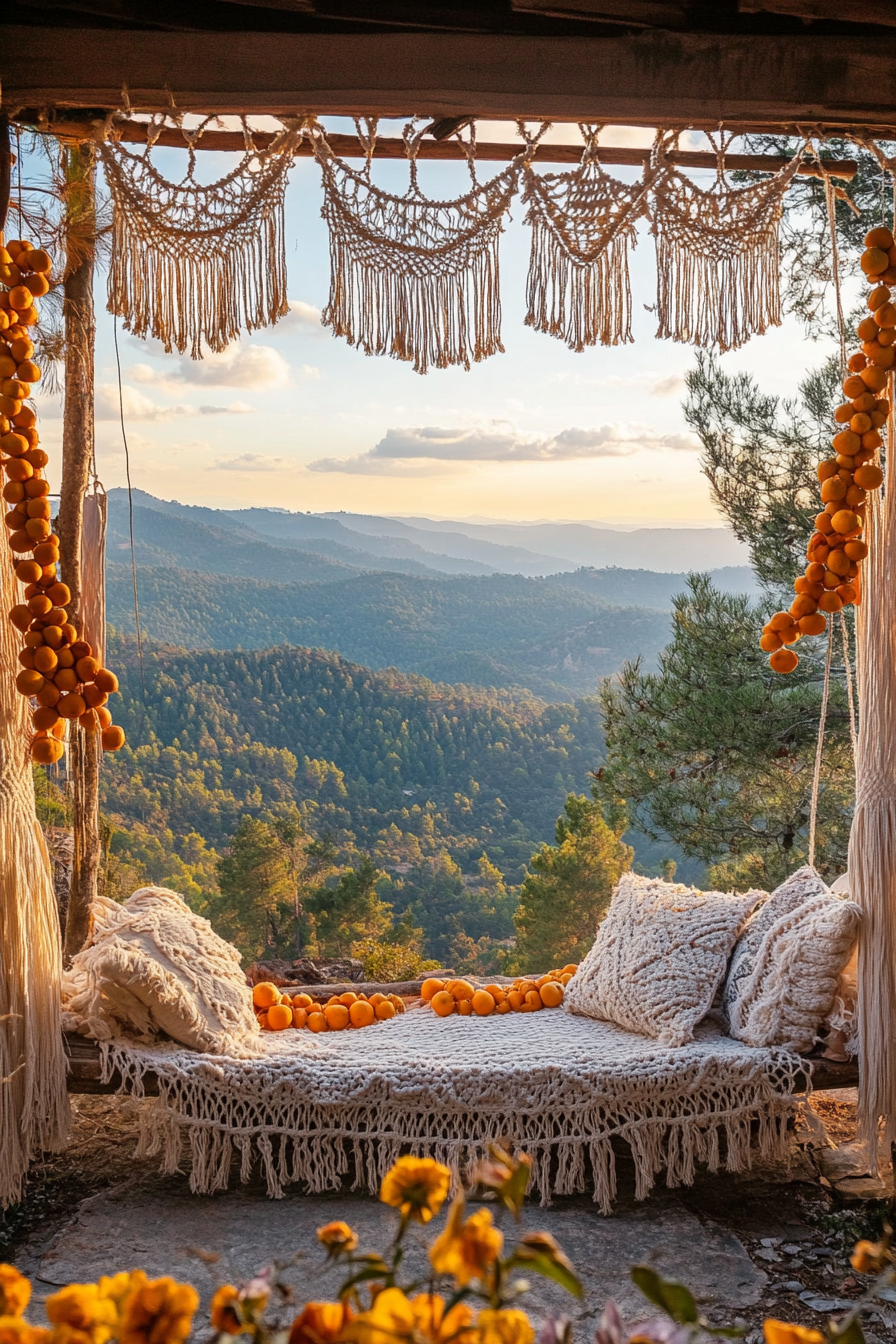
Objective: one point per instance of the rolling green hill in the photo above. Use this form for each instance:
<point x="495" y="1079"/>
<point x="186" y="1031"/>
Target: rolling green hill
<point x="498" y="630"/>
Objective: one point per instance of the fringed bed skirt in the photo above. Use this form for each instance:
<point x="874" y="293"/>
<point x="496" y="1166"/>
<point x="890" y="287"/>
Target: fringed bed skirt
<point x="313" y="1109"/>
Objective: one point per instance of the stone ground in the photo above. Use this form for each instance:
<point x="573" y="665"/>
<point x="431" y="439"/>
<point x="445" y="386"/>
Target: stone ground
<point x="773" y="1242"/>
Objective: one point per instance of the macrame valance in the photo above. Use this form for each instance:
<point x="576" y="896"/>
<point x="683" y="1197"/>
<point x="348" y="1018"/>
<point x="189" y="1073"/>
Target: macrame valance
<point x="193" y="264"/>
<point x="583" y="225"/>
<point x="418" y="278"/>
<point x="413" y="277"/>
<point x="716" y="251"/>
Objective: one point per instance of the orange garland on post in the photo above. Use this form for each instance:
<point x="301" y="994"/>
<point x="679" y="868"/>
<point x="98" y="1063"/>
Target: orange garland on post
<point x="835" y="552"/>
<point x="59" y="670"/>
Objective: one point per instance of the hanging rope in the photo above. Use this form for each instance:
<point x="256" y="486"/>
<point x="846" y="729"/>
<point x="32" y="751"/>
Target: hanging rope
<point x="850" y="694"/>
<point x="819" y="749"/>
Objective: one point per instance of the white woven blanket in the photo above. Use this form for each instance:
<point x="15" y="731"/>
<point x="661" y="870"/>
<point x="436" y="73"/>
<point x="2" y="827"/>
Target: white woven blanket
<point x="561" y="1088"/>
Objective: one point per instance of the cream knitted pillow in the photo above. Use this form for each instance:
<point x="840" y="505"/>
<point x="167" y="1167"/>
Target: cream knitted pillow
<point x="153" y="965"/>
<point x="658" y="958"/>
<point x="785" y="968"/>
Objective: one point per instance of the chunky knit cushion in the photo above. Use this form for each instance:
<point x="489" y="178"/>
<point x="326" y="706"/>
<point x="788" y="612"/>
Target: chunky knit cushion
<point x="787" y="962"/>
<point x="152" y="966"/>
<point x="659" y="957"/>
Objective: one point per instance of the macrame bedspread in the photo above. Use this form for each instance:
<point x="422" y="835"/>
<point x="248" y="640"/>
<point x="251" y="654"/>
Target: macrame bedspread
<point x="557" y="1087"/>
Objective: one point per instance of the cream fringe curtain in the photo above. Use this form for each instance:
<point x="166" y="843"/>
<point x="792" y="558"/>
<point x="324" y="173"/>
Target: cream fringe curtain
<point x="93" y="573"/>
<point x="872" y="841"/>
<point x="34" y="1112"/>
<point x="412" y="277"/>
<point x="717" y="254"/>
<point x="195" y="264"/>
<point x="583" y="226"/>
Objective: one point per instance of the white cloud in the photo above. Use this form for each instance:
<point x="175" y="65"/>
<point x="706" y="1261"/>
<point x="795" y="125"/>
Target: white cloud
<point x="668" y="387"/>
<point x="302" y="317"/>
<point x="137" y="406"/>
<point x="237" y="366"/>
<point x="250" y="462"/>
<point x="311" y="371"/>
<point x="499" y="443"/>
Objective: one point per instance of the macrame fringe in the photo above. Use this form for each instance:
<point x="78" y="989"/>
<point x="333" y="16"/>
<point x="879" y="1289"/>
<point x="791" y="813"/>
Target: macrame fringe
<point x="582" y="304"/>
<point x="430" y="321"/>
<point x="192" y="264"/>
<point x="34" y="1109"/>
<point x="188" y="302"/>
<point x="291" y="1140"/>
<point x="717" y="301"/>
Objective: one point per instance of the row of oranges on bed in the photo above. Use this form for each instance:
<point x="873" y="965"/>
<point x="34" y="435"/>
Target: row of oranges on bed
<point x="831" y="580"/>
<point x="523" y="996"/>
<point x="277" y="1010"/>
<point x="59" y="670"/>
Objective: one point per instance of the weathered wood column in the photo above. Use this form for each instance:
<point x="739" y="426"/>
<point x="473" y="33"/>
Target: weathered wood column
<point x="77" y="456"/>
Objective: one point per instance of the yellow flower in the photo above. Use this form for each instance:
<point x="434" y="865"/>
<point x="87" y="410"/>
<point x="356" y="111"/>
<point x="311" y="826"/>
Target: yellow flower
<point x="224" y="1310"/>
<point x="416" y="1185"/>
<point x="83" y="1314"/>
<point x="13" y="1330"/>
<point x="15" y="1291"/>
<point x="389" y="1320"/>
<point x="870" y="1257"/>
<point x="338" y="1238"/>
<point x="320" y="1323"/>
<point x="466" y="1250"/>
<point x="157" y="1311"/>
<point x="505" y="1327"/>
<point x="781" y="1332"/>
<point x="116" y="1286"/>
<point x="435" y="1326"/>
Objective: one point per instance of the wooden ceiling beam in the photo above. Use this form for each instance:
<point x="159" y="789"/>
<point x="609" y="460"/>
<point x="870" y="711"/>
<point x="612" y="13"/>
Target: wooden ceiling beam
<point x="644" y="79"/>
<point x="348" y="147"/>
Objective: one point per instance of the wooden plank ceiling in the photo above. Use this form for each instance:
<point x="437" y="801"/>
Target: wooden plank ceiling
<point x="830" y="63"/>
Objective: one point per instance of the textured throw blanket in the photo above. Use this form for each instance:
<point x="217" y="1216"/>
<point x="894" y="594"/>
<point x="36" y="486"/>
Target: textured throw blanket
<point x="560" y="1088"/>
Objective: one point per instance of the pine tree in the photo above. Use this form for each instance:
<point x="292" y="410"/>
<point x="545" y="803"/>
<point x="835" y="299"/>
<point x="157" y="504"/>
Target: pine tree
<point x="569" y="888"/>
<point x="351" y="911"/>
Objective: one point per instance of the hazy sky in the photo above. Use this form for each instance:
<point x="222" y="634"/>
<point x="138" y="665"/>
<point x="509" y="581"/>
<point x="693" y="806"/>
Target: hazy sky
<point x="295" y="418"/>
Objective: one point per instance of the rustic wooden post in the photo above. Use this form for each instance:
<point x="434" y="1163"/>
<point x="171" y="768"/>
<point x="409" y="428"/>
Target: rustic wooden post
<point x="77" y="456"/>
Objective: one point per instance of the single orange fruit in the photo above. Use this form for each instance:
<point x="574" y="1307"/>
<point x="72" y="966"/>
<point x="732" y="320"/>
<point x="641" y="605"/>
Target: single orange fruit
<point x="348" y="998"/>
<point x="551" y="994"/>
<point x="300" y="1017"/>
<point x="571" y="968"/>
<point x="265" y="994"/>
<point x="533" y="999"/>
<point x="317" y="1022"/>
<point x="503" y="1007"/>
<point x="483" y="1003"/>
<point x="465" y="1007"/>
<point x="361" y="1014"/>
<point x="430" y="987"/>
<point x="442" y="1003"/>
<point x="785" y="660"/>
<point x="397" y="1002"/>
<point x="462" y="989"/>
<point x="516" y="1000"/>
<point x="302" y="1000"/>
<point x="385" y="1010"/>
<point x="337" y="1016"/>
<point x="279" y="1017"/>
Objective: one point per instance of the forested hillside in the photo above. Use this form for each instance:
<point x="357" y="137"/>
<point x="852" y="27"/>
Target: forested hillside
<point x="499" y="630"/>
<point x="450" y="790"/>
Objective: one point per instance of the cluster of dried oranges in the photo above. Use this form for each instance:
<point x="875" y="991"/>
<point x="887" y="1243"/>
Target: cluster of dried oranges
<point x="59" y="669"/>
<point x="523" y="996"/>
<point x="836" y="549"/>
<point x="277" y="1010"/>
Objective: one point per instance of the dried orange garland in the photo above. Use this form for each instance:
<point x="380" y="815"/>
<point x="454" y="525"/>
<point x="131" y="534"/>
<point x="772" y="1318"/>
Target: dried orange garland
<point x="59" y="670"/>
<point x="836" y="550"/>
